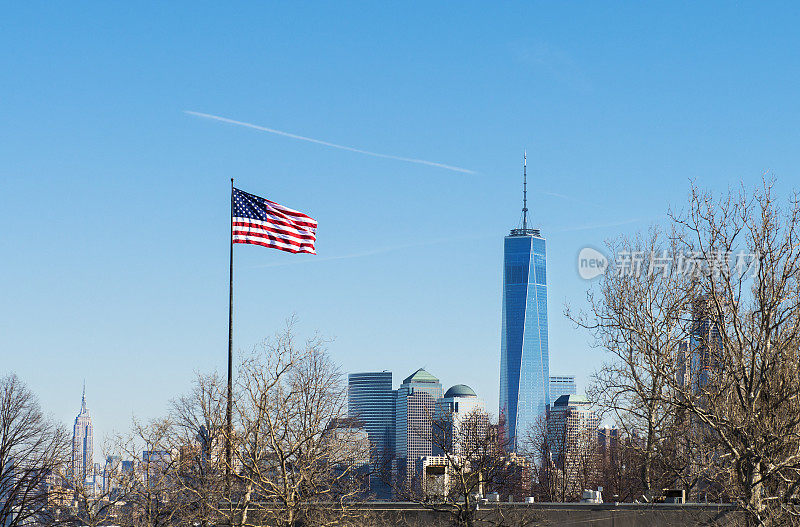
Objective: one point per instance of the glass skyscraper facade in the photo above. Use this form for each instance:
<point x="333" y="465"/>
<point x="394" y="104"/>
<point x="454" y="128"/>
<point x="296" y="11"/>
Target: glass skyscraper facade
<point x="705" y="341"/>
<point x="562" y="385"/>
<point x="524" y="358"/>
<point x="371" y="400"/>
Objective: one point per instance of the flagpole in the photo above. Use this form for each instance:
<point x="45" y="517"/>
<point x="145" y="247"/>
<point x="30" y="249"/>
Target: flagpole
<point x="229" y="410"/>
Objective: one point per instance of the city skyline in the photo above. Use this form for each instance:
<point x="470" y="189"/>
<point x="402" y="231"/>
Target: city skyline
<point x="400" y="422"/>
<point x="571" y="229"/>
<point x="117" y="211"/>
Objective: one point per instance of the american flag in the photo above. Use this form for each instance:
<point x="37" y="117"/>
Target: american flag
<point x="263" y="222"/>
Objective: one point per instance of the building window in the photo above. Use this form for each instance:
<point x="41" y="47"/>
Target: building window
<point x="515" y="274"/>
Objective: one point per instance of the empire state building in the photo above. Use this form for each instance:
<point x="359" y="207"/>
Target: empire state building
<point x="82" y="463"/>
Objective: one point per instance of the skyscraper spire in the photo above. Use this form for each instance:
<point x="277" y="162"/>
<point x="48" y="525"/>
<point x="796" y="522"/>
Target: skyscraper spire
<point x="525" y="191"/>
<point x="524" y="230"/>
<point x="83" y="398"/>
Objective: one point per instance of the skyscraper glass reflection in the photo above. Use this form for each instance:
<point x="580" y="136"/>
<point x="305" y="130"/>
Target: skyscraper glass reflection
<point x="524" y="358"/>
<point x="562" y="385"/>
<point x="371" y="400"/>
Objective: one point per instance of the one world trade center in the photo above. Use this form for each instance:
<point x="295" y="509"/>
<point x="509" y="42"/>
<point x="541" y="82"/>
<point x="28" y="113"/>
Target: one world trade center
<point x="524" y="358"/>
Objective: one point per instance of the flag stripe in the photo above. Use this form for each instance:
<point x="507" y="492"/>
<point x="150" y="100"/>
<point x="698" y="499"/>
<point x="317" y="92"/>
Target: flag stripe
<point x="285" y="209"/>
<point x="272" y="217"/>
<point x="280" y="209"/>
<point x="266" y="239"/>
<point x="238" y="224"/>
<point x="276" y="244"/>
<point x="264" y="234"/>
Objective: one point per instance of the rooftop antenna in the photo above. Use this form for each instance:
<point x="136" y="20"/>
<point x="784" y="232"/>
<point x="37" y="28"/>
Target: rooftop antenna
<point x="525" y="191"/>
<point x="83" y="396"/>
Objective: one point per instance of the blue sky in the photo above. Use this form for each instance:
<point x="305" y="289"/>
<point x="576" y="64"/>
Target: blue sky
<point x="115" y="201"/>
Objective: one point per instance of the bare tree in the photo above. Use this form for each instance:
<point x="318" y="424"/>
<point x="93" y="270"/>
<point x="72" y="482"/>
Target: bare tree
<point x="637" y="316"/>
<point x="707" y="349"/>
<point x="153" y="497"/>
<point x="296" y="458"/>
<point x="620" y="476"/>
<point x="746" y="393"/>
<point x="198" y="435"/>
<point x="566" y="459"/>
<point x="32" y="448"/>
<point x="291" y="460"/>
<point x="88" y="504"/>
<point x="537" y="446"/>
<point x="472" y="461"/>
<point x="469" y="460"/>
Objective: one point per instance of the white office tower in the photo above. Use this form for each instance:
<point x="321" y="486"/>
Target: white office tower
<point x="461" y="423"/>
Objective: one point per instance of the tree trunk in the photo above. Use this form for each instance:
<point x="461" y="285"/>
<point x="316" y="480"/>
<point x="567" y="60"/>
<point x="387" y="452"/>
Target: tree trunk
<point x="647" y="462"/>
<point x="754" y="491"/>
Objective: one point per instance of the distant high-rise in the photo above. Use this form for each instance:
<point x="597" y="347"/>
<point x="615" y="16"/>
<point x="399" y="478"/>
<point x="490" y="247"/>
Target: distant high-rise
<point x="571" y="429"/>
<point x="414" y="413"/>
<point x="461" y="421"/>
<point x="608" y="445"/>
<point x="705" y="341"/>
<point x="370" y="399"/>
<point x="683" y="370"/>
<point x="112" y="471"/>
<point x="82" y="445"/>
<point x="524" y="356"/>
<point x="562" y="385"/>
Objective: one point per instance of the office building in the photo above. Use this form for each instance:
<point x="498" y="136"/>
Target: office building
<point x="461" y="421"/>
<point x="414" y="411"/>
<point x="572" y="438"/>
<point x="351" y="456"/>
<point x="82" y="463"/>
<point x="155" y="466"/>
<point x="608" y="446"/>
<point x="112" y="474"/>
<point x="435" y="473"/>
<point x="705" y="342"/>
<point x="571" y="428"/>
<point x="524" y="356"/>
<point x="562" y="385"/>
<point x="371" y="400"/>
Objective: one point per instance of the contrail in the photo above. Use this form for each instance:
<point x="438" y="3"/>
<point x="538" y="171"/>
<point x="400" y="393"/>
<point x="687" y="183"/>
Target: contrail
<point x="326" y="143"/>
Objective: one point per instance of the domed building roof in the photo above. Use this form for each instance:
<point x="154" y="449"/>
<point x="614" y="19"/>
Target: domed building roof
<point x="460" y="390"/>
